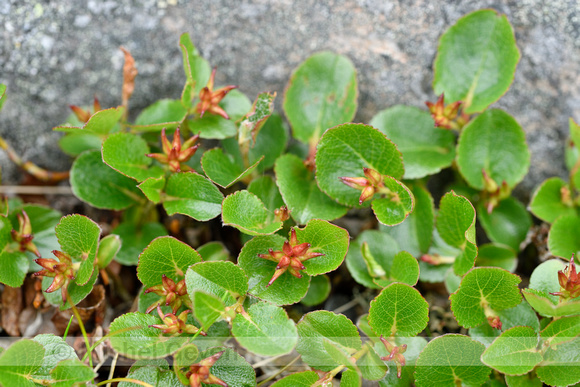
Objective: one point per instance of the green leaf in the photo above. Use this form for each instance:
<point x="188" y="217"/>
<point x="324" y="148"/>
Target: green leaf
<point x="451" y="360"/>
<point x="495" y="143"/>
<point x="213" y="251"/>
<point x="436" y="273"/>
<point x="318" y="291"/>
<point x="165" y="255"/>
<point x="561" y="331"/>
<point x="301" y="193"/>
<point x="398" y="310"/>
<point x="321" y="326"/>
<point x="497" y="256"/>
<point x="391" y="211"/>
<point x="514" y="352"/>
<point x="224" y="280"/>
<point x="71" y="371"/>
<point x="135" y="239"/>
<point x="127" y="154"/>
<point x="345" y="150"/>
<point x="528" y="380"/>
<point x="561" y="367"/>
<point x="236" y="104"/>
<point x="154" y="375"/>
<point x="207" y="308"/>
<point x="370" y="364"/>
<point x="197" y="69"/>
<point x="298" y="379"/>
<point x="212" y="126"/>
<point x="253" y="122"/>
<point x="222" y="169"/>
<point x="186" y="356"/>
<point x="415" y="233"/>
<point x="476" y="60"/>
<point x="109" y="246"/>
<point x="542" y="303"/>
<point x="484" y="289"/>
<point x="133" y="337"/>
<point x="153" y="188"/>
<point x="547" y="202"/>
<point x="193" y="195"/>
<point x="265" y="330"/>
<point x="55" y="350"/>
<point x="13" y="265"/>
<point x="544" y="278"/>
<point x="428" y="150"/>
<point x="76" y="292"/>
<point x="564" y="236"/>
<point x="350" y="378"/>
<point x="266" y="190"/>
<point x="287" y="289"/>
<point x="456" y="225"/>
<point x="164" y="113"/>
<point x="270" y="142"/>
<point x="73" y="144"/>
<point x="19" y="362"/>
<point x="96" y="183"/>
<point x="101" y="123"/>
<point x="246" y="212"/>
<point x="79" y="237"/>
<point x="231" y="368"/>
<point x="507" y="224"/>
<point x="2" y="95"/>
<point x="321" y="93"/>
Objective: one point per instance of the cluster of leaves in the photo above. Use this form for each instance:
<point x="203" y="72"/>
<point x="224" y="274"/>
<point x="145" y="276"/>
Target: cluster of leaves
<point x="193" y="301"/>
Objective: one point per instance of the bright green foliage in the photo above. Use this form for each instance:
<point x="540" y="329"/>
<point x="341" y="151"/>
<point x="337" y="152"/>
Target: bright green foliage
<point x="207" y="308"/>
<point x="561" y="366"/>
<point x="135" y="338"/>
<point x="325" y="238"/>
<point x="127" y="154"/>
<point x="246" y="212"/>
<point x="165" y="113"/>
<point x="476" y="60"/>
<point x="415" y="233"/>
<point x="237" y="104"/>
<point x="456" y="226"/>
<point x="298" y="379"/>
<point x="231" y="367"/>
<point x="495" y="143"/>
<point x="350" y="378"/>
<point x="197" y="69"/>
<point x="316" y="328"/>
<point x="55" y="350"/>
<point x="321" y="93"/>
<point x="74" y="144"/>
<point x="544" y="305"/>
<point x="405" y="269"/>
<point x="547" y="203"/>
<point x="135" y="239"/>
<point x="507" y="224"/>
<point x="96" y="183"/>
<point x="186" y="356"/>
<point x="528" y="380"/>
<point x="212" y="126"/>
<point x="345" y="150"/>
<point x="451" y="360"/>
<point x="19" y="362"/>
<point x="193" y="195"/>
<point x="264" y="187"/>
<point x="561" y="331"/>
<point x="391" y="211"/>
<point x="428" y="150"/>
<point x="153" y="188"/>
<point x="79" y="237"/>
<point x="301" y="193"/>
<point x="564" y="236"/>
<point x="398" y="310"/>
<point x="218" y="278"/>
<point x="13" y="265"/>
<point x="154" y="374"/>
<point x="318" y="291"/>
<point x="370" y="364"/>
<point x="222" y="169"/>
<point x="213" y="251"/>
<point x="165" y="255"/>
<point x="514" y="352"/>
<point x="498" y="256"/>
<point x="109" y="246"/>
<point x="484" y="290"/>
<point x="68" y="372"/>
<point x="101" y="123"/>
<point x="287" y="289"/>
<point x="265" y="330"/>
<point x="544" y="278"/>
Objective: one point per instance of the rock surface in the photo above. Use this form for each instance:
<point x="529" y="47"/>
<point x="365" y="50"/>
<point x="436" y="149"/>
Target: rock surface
<point x="56" y="53"/>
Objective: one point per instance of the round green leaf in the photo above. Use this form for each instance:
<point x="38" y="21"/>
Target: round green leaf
<point x="153" y="187"/>
<point x="286" y="289"/>
<point x="55" y="350"/>
<point x="345" y="150"/>
<point x="301" y="193"/>
<point x="165" y="255"/>
<point x="476" y="60"/>
<point x="514" y="352"/>
<point x="133" y="337"/>
<point x="101" y="123"/>
<point x="399" y="309"/>
<point x="497" y="256"/>
<point x="350" y="378"/>
<point x="96" y="183"/>
<point x="392" y="211"/>
<point x="127" y="154"/>
<point x="193" y="195"/>
<point x="542" y="303"/>
<point x="236" y="104"/>
<point x="266" y="190"/>
<point x="222" y="279"/>
<point x="246" y="212"/>
<point x="213" y="251"/>
<point x="270" y="142"/>
<point x="561" y="366"/>
<point x="135" y="239"/>
<point x="456" y="226"/>
<point x="528" y="380"/>
<point x="547" y="203"/>
<point x="544" y="278"/>
<point x="370" y="364"/>
<point x="73" y="144"/>
<point x="161" y="112"/>
<point x="428" y="150"/>
<point x="495" y="143"/>
<point x="451" y="360"/>
<point x="316" y="328"/>
<point x="222" y="169"/>
<point x="206" y="308"/>
<point x="71" y="371"/>
<point x="212" y="126"/>
<point x="318" y="291"/>
<point x="231" y="368"/>
<point x="494" y="287"/>
<point x="19" y="363"/>
<point x="561" y="331"/>
<point x="265" y="330"/>
<point x="321" y="93"/>
<point x="155" y="375"/>
<point x="507" y="224"/>
<point x="564" y="236"/>
<point x="13" y="265"/>
<point x="298" y="379"/>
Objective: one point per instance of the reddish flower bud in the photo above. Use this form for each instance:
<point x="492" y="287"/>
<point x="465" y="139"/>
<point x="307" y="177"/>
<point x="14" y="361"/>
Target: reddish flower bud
<point x="63" y="271"/>
<point x="569" y="281"/>
<point x="175" y="155"/>
<point x="200" y="372"/>
<point x="444" y="116"/>
<point x="171" y="293"/>
<point x="24" y="235"/>
<point x="395" y="354"/>
<point x="210" y="99"/>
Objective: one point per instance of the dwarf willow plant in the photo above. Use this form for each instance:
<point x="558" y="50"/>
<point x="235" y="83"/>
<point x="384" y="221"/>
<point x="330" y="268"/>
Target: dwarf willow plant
<point x="282" y="200"/>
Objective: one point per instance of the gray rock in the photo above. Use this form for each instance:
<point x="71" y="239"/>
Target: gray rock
<point x="53" y="54"/>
